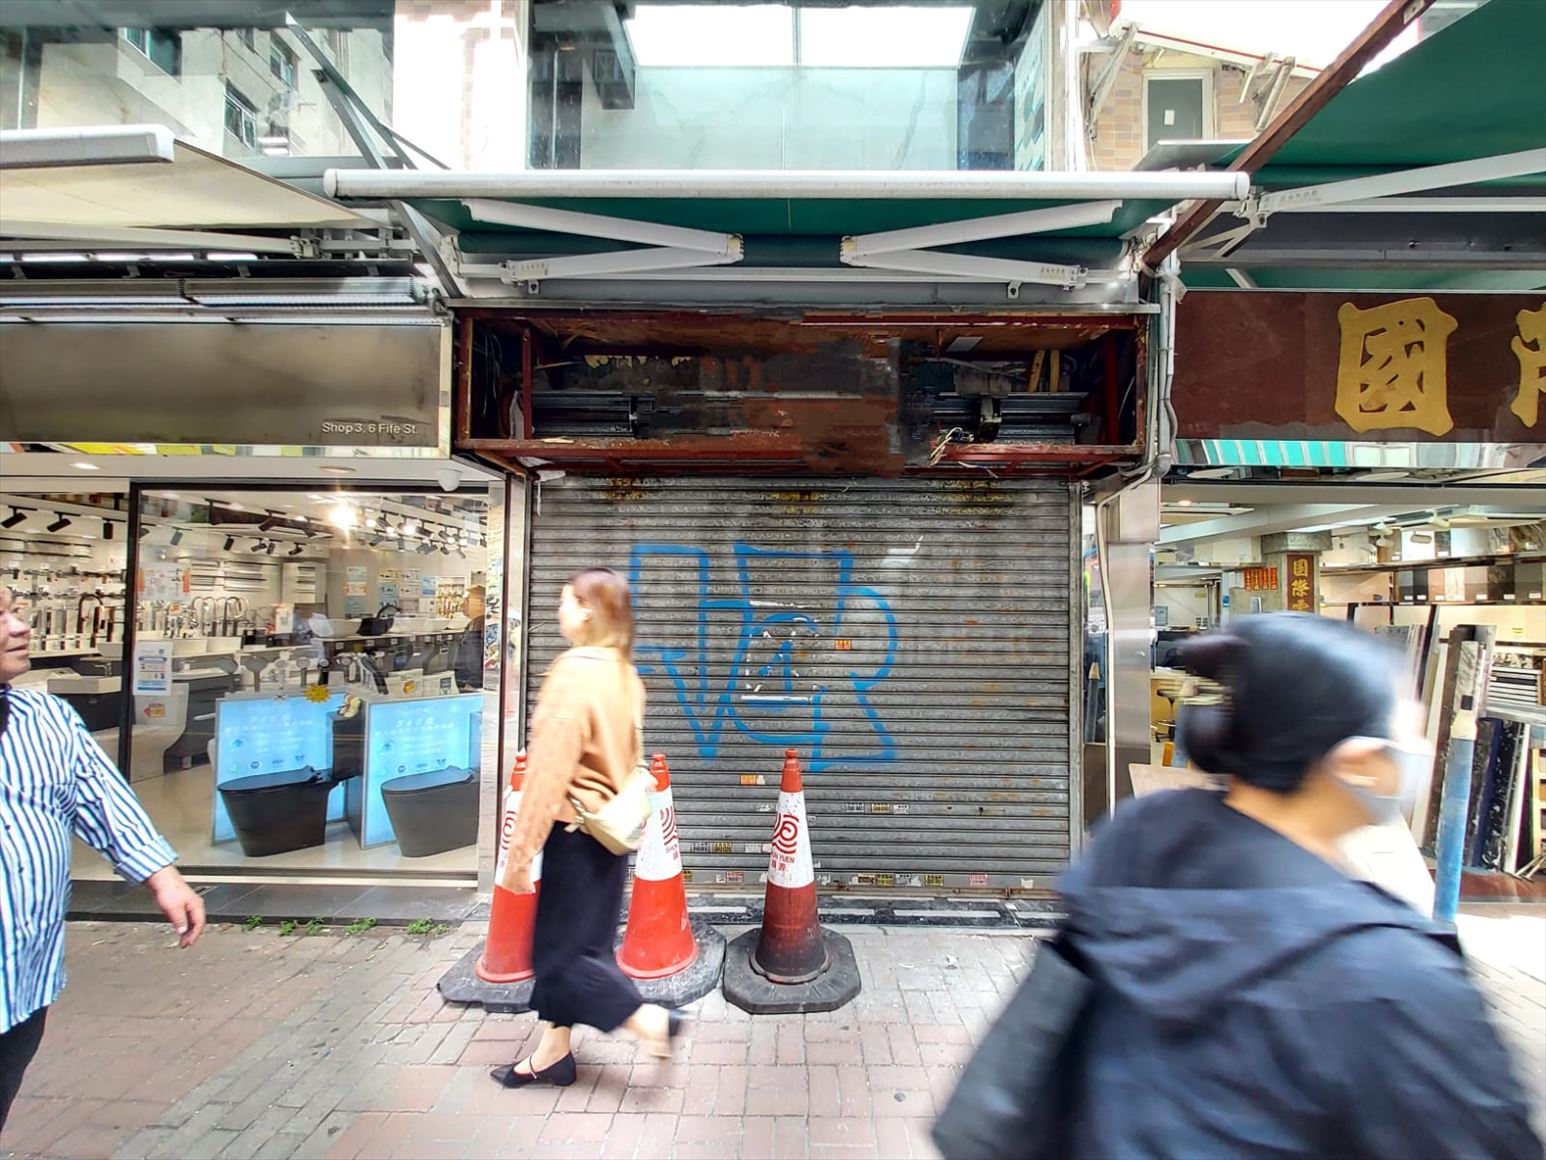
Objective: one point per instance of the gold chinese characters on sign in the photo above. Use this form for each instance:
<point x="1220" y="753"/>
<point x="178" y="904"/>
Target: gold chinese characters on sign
<point x="1301" y="583"/>
<point x="1529" y="347"/>
<point x="1393" y="368"/>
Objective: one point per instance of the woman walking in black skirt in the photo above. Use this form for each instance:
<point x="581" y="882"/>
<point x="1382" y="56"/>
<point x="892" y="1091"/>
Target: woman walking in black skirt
<point x="584" y="744"/>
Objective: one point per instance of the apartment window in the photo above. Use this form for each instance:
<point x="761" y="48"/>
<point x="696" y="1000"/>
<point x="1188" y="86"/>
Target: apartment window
<point x="281" y="62"/>
<point x="241" y="118"/>
<point x="162" y="48"/>
<point x="1178" y="106"/>
<point x="249" y="38"/>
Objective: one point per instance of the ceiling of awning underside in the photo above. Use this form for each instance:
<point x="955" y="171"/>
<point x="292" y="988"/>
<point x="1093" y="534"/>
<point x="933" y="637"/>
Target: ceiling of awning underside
<point x="195" y="190"/>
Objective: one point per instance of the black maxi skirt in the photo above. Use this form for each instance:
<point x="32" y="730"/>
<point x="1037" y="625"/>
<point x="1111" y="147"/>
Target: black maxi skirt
<point x="578" y="906"/>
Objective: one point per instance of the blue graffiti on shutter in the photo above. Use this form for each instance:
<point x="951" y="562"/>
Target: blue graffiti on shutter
<point x="711" y="701"/>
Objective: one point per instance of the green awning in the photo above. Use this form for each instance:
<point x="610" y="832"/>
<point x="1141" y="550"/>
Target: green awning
<point x="1474" y="89"/>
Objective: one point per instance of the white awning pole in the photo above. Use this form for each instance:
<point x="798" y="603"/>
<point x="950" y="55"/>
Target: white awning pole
<point x="1015" y="185"/>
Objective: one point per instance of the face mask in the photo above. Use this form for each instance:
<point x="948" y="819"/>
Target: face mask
<point x="1411" y="763"/>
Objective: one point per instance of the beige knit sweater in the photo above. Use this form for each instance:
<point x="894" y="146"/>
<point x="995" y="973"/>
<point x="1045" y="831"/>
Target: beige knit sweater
<point x="583" y="741"/>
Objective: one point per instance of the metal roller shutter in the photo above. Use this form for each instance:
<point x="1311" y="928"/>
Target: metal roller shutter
<point x="910" y="639"/>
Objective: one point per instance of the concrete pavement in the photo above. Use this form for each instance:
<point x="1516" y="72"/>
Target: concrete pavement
<point x="337" y="1045"/>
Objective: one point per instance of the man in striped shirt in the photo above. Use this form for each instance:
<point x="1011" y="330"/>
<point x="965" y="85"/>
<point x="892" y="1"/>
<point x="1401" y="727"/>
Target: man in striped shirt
<point x="55" y="783"/>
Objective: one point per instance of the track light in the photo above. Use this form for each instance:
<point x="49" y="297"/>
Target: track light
<point x="257" y="545"/>
<point x="144" y="531"/>
<point x="271" y="546"/>
<point x="60" y="523"/>
<point x="230" y="542"/>
<point x="269" y="524"/>
<point x="297" y="550"/>
<point x="177" y="536"/>
<point x="17" y="516"/>
<point x="107" y="529"/>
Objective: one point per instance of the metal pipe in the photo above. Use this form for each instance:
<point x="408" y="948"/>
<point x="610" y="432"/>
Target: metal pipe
<point x="790" y="184"/>
<point x="1454" y="813"/>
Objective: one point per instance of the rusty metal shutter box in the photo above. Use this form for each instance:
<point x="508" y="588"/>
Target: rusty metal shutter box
<point x="912" y="639"/>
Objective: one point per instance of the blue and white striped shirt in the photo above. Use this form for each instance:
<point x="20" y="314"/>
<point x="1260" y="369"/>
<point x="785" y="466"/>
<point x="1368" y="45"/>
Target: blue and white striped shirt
<point x="55" y="781"/>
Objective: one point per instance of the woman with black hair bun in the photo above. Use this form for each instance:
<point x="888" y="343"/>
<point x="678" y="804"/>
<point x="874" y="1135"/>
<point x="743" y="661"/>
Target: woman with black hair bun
<point x="1250" y="998"/>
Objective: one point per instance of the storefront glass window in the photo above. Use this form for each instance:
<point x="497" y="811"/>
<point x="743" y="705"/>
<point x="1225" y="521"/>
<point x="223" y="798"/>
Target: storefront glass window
<point x="65" y="556"/>
<point x="308" y="674"/>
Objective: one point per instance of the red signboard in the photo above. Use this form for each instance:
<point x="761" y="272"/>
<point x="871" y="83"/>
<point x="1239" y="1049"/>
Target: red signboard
<point x="1361" y="367"/>
<point x="1260" y="579"/>
<point x="1300" y="595"/>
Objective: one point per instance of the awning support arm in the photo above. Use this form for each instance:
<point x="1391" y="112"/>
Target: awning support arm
<point x="671" y="247"/>
<point x="911" y="250"/>
<point x="1521" y="164"/>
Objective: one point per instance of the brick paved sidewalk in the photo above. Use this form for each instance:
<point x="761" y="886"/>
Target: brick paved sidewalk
<point x="336" y="1045"/>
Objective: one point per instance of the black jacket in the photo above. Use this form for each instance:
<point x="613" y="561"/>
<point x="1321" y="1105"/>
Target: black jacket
<point x="1253" y="1001"/>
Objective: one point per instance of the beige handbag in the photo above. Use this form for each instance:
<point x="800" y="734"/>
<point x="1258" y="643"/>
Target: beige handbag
<point x="618" y="822"/>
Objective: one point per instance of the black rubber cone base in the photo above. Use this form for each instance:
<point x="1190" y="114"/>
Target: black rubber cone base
<point x="700" y="977"/>
<point x="833" y="988"/>
<point x="461" y="985"/>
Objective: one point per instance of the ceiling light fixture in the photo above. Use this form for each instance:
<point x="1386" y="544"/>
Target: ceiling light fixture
<point x="338" y="470"/>
<point x="177" y="536"/>
<point x="297" y="550"/>
<point x="17" y="516"/>
<point x="107" y="529"/>
<point x="60" y="523"/>
<point x="83" y="466"/>
<point x="272" y="544"/>
<point x="230" y="542"/>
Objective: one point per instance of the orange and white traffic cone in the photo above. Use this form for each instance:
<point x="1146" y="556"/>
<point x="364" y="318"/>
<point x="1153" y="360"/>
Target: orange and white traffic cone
<point x="659" y="940"/>
<point x="790" y="948"/>
<point x="506" y="956"/>
<point x="791" y="965"/>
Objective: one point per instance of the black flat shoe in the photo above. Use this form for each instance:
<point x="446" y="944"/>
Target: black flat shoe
<point x="560" y="1074"/>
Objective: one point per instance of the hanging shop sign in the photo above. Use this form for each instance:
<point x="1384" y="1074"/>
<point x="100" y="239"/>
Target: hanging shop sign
<point x="1301" y="596"/>
<point x="1259" y="579"/>
<point x="380" y="387"/>
<point x="1364" y="367"/>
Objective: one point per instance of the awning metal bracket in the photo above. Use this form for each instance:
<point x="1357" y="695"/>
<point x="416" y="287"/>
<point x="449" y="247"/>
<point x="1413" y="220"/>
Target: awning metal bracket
<point x="669" y="247"/>
<point x="913" y="250"/>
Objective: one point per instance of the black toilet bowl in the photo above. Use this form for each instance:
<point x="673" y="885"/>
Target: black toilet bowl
<point x="433" y="812"/>
<point x="274" y="813"/>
